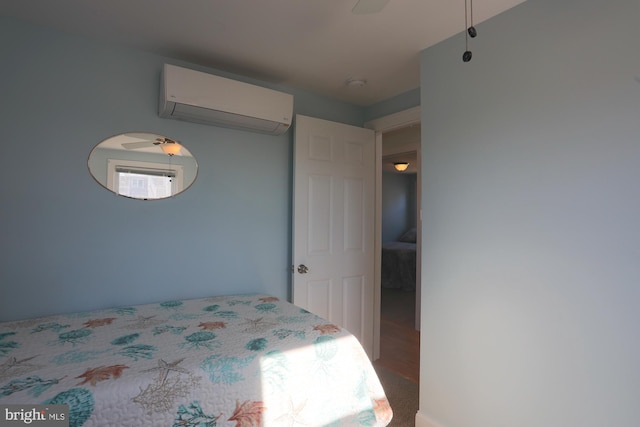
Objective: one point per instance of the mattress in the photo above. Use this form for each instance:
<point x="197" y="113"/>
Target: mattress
<point x="240" y="360"/>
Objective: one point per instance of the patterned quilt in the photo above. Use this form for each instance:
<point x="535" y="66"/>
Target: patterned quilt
<point x="240" y="361"/>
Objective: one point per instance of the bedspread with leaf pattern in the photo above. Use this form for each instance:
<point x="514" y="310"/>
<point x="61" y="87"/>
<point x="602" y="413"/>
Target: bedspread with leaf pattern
<point x="237" y="361"/>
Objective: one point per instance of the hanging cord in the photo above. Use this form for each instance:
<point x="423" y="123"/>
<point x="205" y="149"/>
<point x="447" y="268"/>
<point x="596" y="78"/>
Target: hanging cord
<point x="471" y="30"/>
<point x="466" y="26"/>
<point x="466" y="56"/>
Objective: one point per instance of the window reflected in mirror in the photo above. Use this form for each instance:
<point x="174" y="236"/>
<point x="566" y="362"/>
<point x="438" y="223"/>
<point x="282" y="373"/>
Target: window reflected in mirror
<point x="143" y="166"/>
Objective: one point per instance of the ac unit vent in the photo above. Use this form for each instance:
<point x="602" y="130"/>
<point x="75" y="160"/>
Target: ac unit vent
<point x="204" y="98"/>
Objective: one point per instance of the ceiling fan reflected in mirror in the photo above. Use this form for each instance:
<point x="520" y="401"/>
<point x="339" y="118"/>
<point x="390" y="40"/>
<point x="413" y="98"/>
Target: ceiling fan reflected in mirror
<point x="168" y="146"/>
<point x="144" y="166"/>
<point x="366" y="7"/>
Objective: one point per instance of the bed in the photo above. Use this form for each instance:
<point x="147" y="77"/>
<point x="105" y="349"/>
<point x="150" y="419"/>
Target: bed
<point x="398" y="269"/>
<point x="240" y="361"/>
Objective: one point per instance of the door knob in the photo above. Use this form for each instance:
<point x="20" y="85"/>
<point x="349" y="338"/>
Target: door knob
<point x="303" y="269"/>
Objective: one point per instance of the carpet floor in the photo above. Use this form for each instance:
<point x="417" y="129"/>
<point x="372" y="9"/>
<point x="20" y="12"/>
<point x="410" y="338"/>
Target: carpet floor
<point x="402" y="395"/>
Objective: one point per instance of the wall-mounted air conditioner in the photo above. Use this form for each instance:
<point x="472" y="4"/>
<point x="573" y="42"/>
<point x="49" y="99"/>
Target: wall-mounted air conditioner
<point x="199" y="97"/>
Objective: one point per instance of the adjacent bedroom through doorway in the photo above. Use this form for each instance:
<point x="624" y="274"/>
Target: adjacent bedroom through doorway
<point x="399" y="337"/>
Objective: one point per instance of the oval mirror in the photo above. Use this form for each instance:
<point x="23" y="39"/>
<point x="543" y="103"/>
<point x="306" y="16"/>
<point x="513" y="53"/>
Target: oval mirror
<point x="143" y="166"/>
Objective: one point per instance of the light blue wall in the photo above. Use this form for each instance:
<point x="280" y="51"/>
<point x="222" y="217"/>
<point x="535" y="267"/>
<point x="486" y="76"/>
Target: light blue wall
<point x="398" y="204"/>
<point x="401" y="102"/>
<point x="67" y="244"/>
<point x="531" y="270"/>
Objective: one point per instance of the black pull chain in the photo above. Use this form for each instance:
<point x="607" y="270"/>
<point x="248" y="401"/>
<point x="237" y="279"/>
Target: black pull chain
<point x="470" y="31"/>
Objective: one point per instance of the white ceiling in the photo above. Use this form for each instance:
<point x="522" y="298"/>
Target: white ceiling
<point x="314" y="45"/>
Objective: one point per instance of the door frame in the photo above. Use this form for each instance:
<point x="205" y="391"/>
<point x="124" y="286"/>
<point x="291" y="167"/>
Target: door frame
<point x="401" y="119"/>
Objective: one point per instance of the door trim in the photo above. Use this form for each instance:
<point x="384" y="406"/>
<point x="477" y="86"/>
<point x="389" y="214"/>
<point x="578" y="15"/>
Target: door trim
<point x="381" y="125"/>
<point x="408" y="117"/>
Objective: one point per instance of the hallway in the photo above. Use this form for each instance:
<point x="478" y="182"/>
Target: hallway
<point x="399" y="341"/>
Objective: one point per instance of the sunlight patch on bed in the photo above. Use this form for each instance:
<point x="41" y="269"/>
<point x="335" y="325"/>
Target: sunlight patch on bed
<point x="328" y="383"/>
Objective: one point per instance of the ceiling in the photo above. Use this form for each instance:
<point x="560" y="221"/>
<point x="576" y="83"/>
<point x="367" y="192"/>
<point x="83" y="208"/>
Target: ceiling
<point x="313" y="45"/>
<point x="116" y="143"/>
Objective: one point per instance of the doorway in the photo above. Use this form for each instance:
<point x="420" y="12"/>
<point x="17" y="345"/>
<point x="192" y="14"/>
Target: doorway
<point x="399" y="228"/>
<point x="398" y="315"/>
<point x="399" y="306"/>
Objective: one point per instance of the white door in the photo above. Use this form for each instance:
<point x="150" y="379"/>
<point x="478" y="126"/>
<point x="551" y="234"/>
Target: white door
<point x="333" y="224"/>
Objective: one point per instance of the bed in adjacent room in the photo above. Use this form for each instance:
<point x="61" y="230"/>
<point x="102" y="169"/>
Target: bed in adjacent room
<point x="241" y="361"/>
<point x="399" y="262"/>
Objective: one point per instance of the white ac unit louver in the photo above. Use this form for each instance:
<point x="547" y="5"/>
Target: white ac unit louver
<point x="204" y="98"/>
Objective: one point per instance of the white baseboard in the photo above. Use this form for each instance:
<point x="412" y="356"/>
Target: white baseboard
<point x="422" y="420"/>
